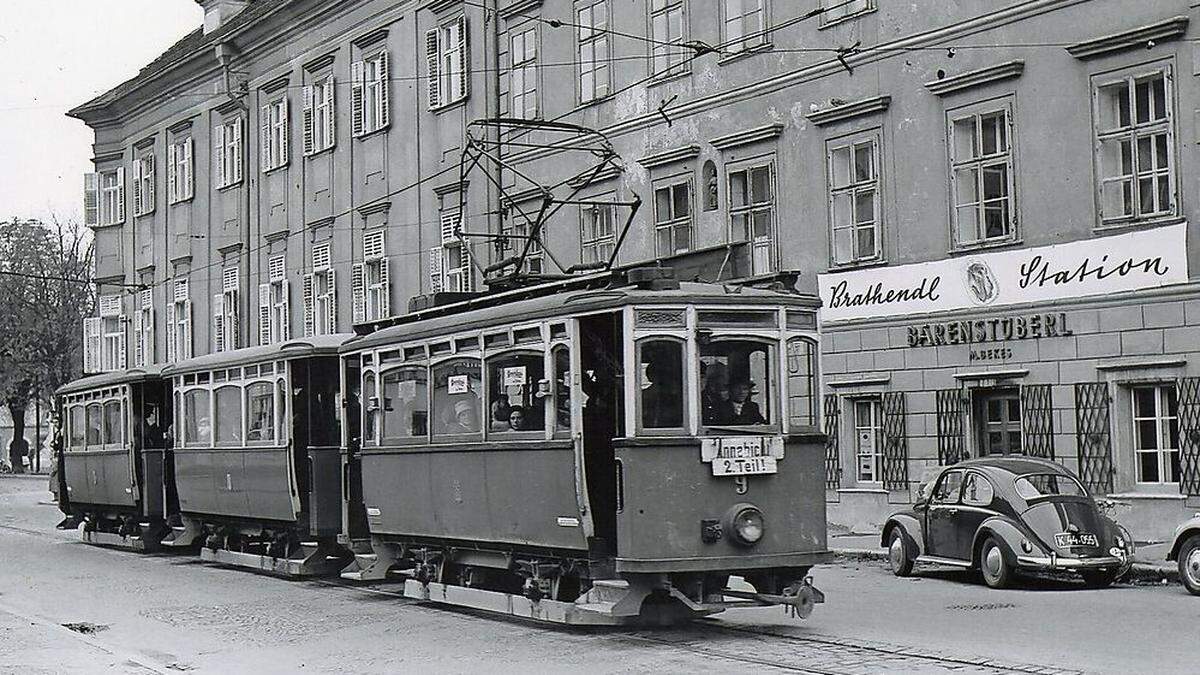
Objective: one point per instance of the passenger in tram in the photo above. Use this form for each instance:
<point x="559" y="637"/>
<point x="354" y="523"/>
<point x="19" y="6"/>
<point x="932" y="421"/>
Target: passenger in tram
<point x="740" y="410"/>
<point x="501" y="410"/>
<point x="516" y="419"/>
<point x="715" y="395"/>
<point x="662" y="406"/>
<point x="466" y="420"/>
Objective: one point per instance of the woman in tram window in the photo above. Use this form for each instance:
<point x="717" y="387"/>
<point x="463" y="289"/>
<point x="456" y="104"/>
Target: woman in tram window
<point x="739" y="409"/>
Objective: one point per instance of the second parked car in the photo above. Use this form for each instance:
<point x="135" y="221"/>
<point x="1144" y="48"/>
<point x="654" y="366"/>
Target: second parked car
<point x="1004" y="514"/>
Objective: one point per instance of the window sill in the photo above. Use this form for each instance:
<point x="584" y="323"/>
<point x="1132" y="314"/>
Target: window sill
<point x="985" y="246"/>
<point x="667" y="79"/>
<point x="180" y="201"/>
<point x="1119" y="226"/>
<point x="274" y="169"/>
<point x="592" y="102"/>
<point x="450" y="106"/>
<point x="317" y="153"/>
<point x="102" y="226"/>
<point x="843" y="19"/>
<point x="858" y="265"/>
<point x="367" y="134"/>
<point x="223" y="188"/>
<point x="749" y="51"/>
<point x="143" y="215"/>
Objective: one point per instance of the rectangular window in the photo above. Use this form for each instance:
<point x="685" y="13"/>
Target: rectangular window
<point x="597" y="228"/>
<point x="752" y="212"/>
<point x="369" y="282"/>
<point x="594" y="49"/>
<point x="370" y="108"/>
<point x="868" y="440"/>
<point x="981" y="175"/>
<point x="143" y="329"/>
<point x="180" y="182"/>
<point x="523" y="75"/>
<point x="112" y="333"/>
<point x="673" y="217"/>
<point x="320" y="294"/>
<point x="225" y="311"/>
<point x="854" y="207"/>
<point x="274" y="137"/>
<point x="143" y="184"/>
<point x="448" y="60"/>
<point x="518" y="228"/>
<point x="228" y="150"/>
<point x="743" y="24"/>
<point x="668" y="29"/>
<point x="179" y="322"/>
<point x="450" y="263"/>
<point x="1135" y="145"/>
<point x="833" y="11"/>
<point x="274" y="324"/>
<point x="1156" y="434"/>
<point x="319" y="120"/>
<point x="104" y="197"/>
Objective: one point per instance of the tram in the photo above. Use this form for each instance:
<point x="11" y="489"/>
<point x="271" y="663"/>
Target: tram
<point x="257" y="456"/>
<point x="115" y="468"/>
<point x="605" y="451"/>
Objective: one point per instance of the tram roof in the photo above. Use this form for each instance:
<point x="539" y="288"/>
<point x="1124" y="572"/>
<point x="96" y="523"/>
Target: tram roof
<point x="478" y="313"/>
<point x="291" y="349"/>
<point x="110" y="379"/>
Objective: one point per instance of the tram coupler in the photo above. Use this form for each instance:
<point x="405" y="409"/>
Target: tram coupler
<point x="798" y="599"/>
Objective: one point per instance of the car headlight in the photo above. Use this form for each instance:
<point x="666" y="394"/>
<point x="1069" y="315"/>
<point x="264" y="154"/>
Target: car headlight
<point x="747" y="524"/>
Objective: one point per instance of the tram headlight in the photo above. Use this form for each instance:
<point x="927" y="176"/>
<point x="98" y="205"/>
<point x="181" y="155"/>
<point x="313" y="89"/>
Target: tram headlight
<point x="747" y="524"/>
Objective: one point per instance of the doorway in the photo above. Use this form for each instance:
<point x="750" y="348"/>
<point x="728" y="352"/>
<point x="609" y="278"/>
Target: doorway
<point x="601" y="363"/>
<point x="998" y="422"/>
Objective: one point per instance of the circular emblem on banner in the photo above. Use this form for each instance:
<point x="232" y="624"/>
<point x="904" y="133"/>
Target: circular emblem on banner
<point x="981" y="283"/>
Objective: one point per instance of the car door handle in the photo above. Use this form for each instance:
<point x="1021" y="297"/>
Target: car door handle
<point x="952" y="512"/>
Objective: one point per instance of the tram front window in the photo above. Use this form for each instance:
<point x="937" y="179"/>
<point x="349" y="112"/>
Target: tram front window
<point x="78" y="428"/>
<point x="197" y="423"/>
<point x="736" y="383"/>
<point x="260" y="409"/>
<point x="456" y="401"/>
<point x="95" y="424"/>
<point x="661" y="384"/>
<point x="562" y="389"/>
<point x="405" y="404"/>
<point x="112" y="424"/>
<point x="514" y="402"/>
<point x="370" y="408"/>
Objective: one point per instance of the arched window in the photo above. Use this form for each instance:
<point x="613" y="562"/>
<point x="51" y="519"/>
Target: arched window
<point x="229" y="415"/>
<point x="405" y="403"/>
<point x="456" y="397"/>
<point x="737" y="385"/>
<point x="260" y="413"/>
<point x="197" y="420"/>
<point x="660" y="383"/>
<point x="514" y="400"/>
<point x="78" y="428"/>
<point x="562" y="390"/>
<point x="803" y="394"/>
<point x="114" y="427"/>
<point x="95" y="424"/>
<point x="370" y="408"/>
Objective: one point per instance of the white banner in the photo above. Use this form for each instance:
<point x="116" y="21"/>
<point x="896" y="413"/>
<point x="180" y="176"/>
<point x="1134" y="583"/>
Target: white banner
<point x="1123" y="262"/>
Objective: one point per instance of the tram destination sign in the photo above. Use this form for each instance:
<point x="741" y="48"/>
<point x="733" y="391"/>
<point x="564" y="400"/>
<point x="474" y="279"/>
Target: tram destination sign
<point x="742" y="455"/>
<point x="1119" y="263"/>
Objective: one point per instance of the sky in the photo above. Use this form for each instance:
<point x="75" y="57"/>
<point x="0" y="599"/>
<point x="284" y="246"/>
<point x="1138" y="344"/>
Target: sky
<point x="56" y="55"/>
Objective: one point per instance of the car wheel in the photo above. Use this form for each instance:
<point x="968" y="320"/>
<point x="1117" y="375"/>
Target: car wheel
<point x="898" y="558"/>
<point x="995" y="570"/>
<point x="1189" y="564"/>
<point x="1098" y="579"/>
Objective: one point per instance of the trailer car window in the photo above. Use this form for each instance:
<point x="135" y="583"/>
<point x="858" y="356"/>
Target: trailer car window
<point x="456" y="400"/>
<point x="370" y="407"/>
<point x="562" y="389"/>
<point x="78" y="437"/>
<point x="260" y="412"/>
<point x="113" y="427"/>
<point x="736" y="383"/>
<point x="197" y="424"/>
<point x="95" y="424"/>
<point x="229" y="415"/>
<point x="514" y="402"/>
<point x="405" y="403"/>
<point x="802" y="382"/>
<point x="661" y="383"/>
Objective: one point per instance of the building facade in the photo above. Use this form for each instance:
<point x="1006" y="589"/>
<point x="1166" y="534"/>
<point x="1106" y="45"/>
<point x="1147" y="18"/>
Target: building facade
<point x="991" y="198"/>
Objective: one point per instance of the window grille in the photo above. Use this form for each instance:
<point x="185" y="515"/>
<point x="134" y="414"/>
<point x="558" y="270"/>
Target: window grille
<point x="1189" y="435"/>
<point x="1093" y="436"/>
<point x="951" y="410"/>
<point x="1037" y="421"/>
<point x="833" y="469"/>
<point x="895" y="442"/>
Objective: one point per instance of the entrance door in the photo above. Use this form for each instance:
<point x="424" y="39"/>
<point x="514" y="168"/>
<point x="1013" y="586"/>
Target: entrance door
<point x="941" y="515"/>
<point x="601" y="356"/>
<point x="999" y="426"/>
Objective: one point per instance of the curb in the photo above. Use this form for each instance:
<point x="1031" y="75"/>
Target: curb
<point x="40" y="476"/>
<point x="1139" y="571"/>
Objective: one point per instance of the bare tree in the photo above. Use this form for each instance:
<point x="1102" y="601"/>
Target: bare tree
<point x="45" y="292"/>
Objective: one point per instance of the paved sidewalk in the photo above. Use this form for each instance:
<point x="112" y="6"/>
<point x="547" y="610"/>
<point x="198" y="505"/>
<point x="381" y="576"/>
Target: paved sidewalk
<point x="1149" y="561"/>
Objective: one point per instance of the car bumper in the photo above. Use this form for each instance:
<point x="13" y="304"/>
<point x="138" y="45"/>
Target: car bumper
<point x="1053" y="562"/>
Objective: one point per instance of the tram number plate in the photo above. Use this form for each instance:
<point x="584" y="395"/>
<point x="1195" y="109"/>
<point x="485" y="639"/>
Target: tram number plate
<point x="743" y="466"/>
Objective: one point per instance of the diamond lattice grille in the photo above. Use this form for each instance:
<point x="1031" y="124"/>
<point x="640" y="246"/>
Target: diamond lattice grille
<point x="1094" y="436"/>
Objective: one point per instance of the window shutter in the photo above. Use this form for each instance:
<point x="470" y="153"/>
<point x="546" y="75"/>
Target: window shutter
<point x="330" y="116"/>
<point x="357" y="93"/>
<point x="91" y="199"/>
<point x="189" y="183"/>
<point x="91" y="344"/>
<point x="464" y="266"/>
<point x="307" y="117"/>
<point x="218" y="326"/>
<point x="139" y="341"/>
<point x="331" y="317"/>
<point x="435" y="269"/>
<point x="189" y="321"/>
<point x="172" y="173"/>
<point x="137" y="187"/>
<point x="384" y="110"/>
<point x="265" y="159"/>
<point x="148" y="176"/>
<point x="895" y="442"/>
<point x="285" y="134"/>
<point x="122" y="345"/>
<point x="464" y="77"/>
<point x="285" y="329"/>
<point x="449" y="225"/>
<point x="309" y="309"/>
<point x="1188" y="395"/>
<point x="120" y="195"/>
<point x="833" y="458"/>
<point x="385" y="290"/>
<point x="1093" y="436"/>
<point x="951" y="408"/>
<point x="172" y="349"/>
<point x="431" y="74"/>
<point x="264" y="314"/>
<point x="148" y="326"/>
<point x="358" y="292"/>
<point x="219" y="149"/>
<point x="233" y="312"/>
<point x="1037" y="421"/>
<point x="237" y="149"/>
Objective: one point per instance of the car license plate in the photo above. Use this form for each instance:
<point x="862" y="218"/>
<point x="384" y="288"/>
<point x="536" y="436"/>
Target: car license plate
<point x="743" y="466"/>
<point x="1069" y="539"/>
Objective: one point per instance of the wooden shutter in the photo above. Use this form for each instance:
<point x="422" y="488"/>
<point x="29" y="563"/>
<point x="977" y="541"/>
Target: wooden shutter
<point x="172" y="347"/>
<point x="385" y="292"/>
<point x="137" y="186"/>
<point x="331" y="317"/>
<point x="330" y="116"/>
<point x="285" y="315"/>
<point x="148" y="177"/>
<point x="218" y="324"/>
<point x="833" y="458"/>
<point x="951" y="409"/>
<point x="464" y="77"/>
<point x="233" y="309"/>
<point x="122" y="344"/>
<point x="435" y="269"/>
<point x="219" y="148"/>
<point x="1037" y="421"/>
<point x="895" y="442"/>
<point x="238" y="126"/>
<point x="306" y="115"/>
<point x="120" y="195"/>
<point x="358" y="292"/>
<point x="91" y="344"/>
<point x="91" y="199"/>
<point x="357" y="95"/>
<point x="309" y="305"/>
<point x="264" y="314"/>
<point x="1188" y="390"/>
<point x="285" y="134"/>
<point x="189" y="182"/>
<point x="431" y="68"/>
<point x="1093" y="436"/>
<point x="266" y="158"/>
<point x="139" y="349"/>
<point x="172" y="173"/>
<point x="464" y="267"/>
<point x="383" y="109"/>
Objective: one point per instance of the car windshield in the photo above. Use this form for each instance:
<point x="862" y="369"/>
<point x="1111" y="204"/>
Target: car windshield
<point x="1048" y="484"/>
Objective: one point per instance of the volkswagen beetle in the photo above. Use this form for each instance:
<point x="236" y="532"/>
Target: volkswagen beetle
<point x="1185" y="549"/>
<point x="1003" y="514"/>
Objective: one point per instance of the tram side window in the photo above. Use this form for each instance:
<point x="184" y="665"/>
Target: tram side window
<point x="78" y="428"/>
<point x="228" y="421"/>
<point x="405" y="404"/>
<point x="370" y="408"/>
<point x="661" y="384"/>
<point x="514" y="401"/>
<point x="260" y="412"/>
<point x="736" y="383"/>
<point x="802" y="382"/>
<point x="456" y="400"/>
<point x="197" y="423"/>
<point x="282" y="419"/>
<point x="113" y="424"/>
<point x="95" y="424"/>
<point x="562" y="389"/>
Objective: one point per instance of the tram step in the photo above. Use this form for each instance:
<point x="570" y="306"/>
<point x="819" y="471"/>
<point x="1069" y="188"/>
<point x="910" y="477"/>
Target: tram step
<point x="607" y="591"/>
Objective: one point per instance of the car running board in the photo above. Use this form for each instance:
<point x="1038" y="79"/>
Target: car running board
<point x="935" y="560"/>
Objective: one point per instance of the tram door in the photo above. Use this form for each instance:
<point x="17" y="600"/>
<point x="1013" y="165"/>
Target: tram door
<point x="354" y="516"/>
<point x="602" y="372"/>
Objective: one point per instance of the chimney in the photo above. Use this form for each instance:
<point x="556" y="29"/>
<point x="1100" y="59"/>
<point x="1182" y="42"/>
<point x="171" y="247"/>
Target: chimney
<point x="217" y="12"/>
